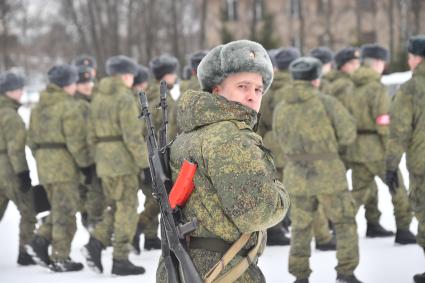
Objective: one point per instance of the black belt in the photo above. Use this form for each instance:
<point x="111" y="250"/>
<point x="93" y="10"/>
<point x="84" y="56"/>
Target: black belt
<point x="213" y="245"/>
<point x="51" y="145"/>
<point x="109" y="139"/>
<point x="367" y="132"/>
<point x="312" y="156"/>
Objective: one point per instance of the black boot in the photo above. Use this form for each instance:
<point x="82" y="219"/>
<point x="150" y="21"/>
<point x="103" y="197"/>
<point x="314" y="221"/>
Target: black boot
<point x="25" y="259"/>
<point x="65" y="265"/>
<point x="376" y="230"/>
<point x="347" y="279"/>
<point x="329" y="246"/>
<point x="92" y="251"/>
<point x="152" y="244"/>
<point x="136" y="244"/>
<point x="419" y="278"/>
<point x="125" y="267"/>
<point x="38" y="249"/>
<point x="404" y="237"/>
<point x="305" y="280"/>
<point x="276" y="237"/>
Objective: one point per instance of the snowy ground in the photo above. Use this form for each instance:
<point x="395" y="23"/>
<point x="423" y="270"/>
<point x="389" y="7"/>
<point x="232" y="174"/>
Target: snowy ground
<point x="380" y="260"/>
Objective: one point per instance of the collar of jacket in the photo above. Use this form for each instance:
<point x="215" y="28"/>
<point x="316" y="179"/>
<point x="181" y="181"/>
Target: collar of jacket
<point x="420" y="69"/>
<point x="53" y="94"/>
<point x="113" y="85"/>
<point x="7" y="102"/>
<point x="299" y="91"/>
<point x="79" y="95"/>
<point x="196" y="109"/>
<point x="365" y="75"/>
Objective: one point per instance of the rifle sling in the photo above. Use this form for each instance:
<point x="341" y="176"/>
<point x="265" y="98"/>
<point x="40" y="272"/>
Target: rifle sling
<point x="213" y="245"/>
<point x="234" y="273"/>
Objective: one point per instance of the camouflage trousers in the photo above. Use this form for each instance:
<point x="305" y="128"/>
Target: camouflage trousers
<point x="120" y="215"/>
<point x="60" y="226"/>
<point x="340" y="209"/>
<point x="204" y="260"/>
<point x="321" y="230"/>
<point x="365" y="192"/>
<point x="92" y="201"/>
<point x="417" y="198"/>
<point x="24" y="203"/>
<point x="148" y="218"/>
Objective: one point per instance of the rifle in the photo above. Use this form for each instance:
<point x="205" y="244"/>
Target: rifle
<point x="173" y="229"/>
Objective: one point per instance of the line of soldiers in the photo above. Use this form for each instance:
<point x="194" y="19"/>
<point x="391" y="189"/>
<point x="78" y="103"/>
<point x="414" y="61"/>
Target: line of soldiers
<point x="91" y="156"/>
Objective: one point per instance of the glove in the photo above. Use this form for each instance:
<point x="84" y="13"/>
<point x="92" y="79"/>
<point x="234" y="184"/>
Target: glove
<point x="25" y="180"/>
<point x="88" y="173"/>
<point x="391" y="179"/>
<point x="147" y="176"/>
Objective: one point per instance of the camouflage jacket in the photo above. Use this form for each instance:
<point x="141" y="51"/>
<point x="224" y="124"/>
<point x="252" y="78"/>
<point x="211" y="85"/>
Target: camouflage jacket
<point x="310" y="127"/>
<point x="57" y="120"/>
<point x="369" y="104"/>
<point x="12" y="140"/>
<point x="192" y="84"/>
<point x="337" y="84"/>
<point x="114" y="130"/>
<point x="235" y="191"/>
<point x="407" y="130"/>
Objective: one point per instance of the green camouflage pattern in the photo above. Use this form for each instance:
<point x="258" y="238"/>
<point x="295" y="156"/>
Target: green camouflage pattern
<point x="321" y="231"/>
<point x="368" y="100"/>
<point x="340" y="209"/>
<point x="365" y="192"/>
<point x="407" y="134"/>
<point x="337" y="84"/>
<point x="120" y="216"/>
<point x="56" y="119"/>
<point x="307" y="122"/>
<point x="92" y="199"/>
<point x="235" y="190"/>
<point x="113" y="113"/>
<point x="60" y="226"/>
<point x="192" y="84"/>
<point x="12" y="162"/>
<point x="148" y="218"/>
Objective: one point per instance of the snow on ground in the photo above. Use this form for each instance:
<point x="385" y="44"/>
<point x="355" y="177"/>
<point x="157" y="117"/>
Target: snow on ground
<point x="380" y="260"/>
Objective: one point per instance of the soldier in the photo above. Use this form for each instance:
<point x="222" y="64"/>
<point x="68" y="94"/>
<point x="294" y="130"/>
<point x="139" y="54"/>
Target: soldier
<point x="15" y="181"/>
<point x="59" y="146"/>
<point x="120" y="155"/>
<point x="407" y="135"/>
<point x="235" y="187"/>
<point x="310" y="127"/>
<point x="141" y="80"/>
<point x="193" y="83"/>
<point x="89" y="62"/>
<point x="326" y="56"/>
<point x="92" y="200"/>
<point x="369" y="104"/>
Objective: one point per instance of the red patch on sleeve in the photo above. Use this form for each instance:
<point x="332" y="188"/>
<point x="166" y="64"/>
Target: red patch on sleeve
<point x="383" y="120"/>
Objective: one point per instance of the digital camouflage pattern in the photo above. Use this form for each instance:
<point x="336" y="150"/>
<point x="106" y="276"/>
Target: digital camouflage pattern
<point x="118" y="161"/>
<point x="407" y="134"/>
<point x="235" y="190"/>
<point x="310" y="127"/>
<point x="91" y="196"/>
<point x="337" y="84"/>
<point x="56" y="119"/>
<point x="114" y="115"/>
<point x="366" y="156"/>
<point x="192" y="84"/>
<point x="12" y="162"/>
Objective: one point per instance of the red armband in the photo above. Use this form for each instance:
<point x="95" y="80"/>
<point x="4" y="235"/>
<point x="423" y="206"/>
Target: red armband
<point x="383" y="120"/>
<point x="183" y="187"/>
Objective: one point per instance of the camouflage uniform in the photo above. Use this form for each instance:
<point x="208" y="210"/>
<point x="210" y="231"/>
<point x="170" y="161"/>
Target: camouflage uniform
<point x="13" y="162"/>
<point x="310" y="128"/>
<point x="120" y="154"/>
<point x="92" y="199"/>
<point x="235" y="191"/>
<point x="58" y="143"/>
<point x="366" y="155"/>
<point x="407" y="134"/>
<point x="192" y="84"/>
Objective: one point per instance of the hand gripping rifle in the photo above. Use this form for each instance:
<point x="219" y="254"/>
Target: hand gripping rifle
<point x="173" y="230"/>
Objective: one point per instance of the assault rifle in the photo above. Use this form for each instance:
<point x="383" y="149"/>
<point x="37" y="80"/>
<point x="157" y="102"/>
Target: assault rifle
<point x="173" y="230"/>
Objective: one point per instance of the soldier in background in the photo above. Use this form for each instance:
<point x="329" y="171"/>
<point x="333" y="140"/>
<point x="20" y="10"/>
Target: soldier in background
<point x="314" y="173"/>
<point x="141" y="80"/>
<point x="88" y="62"/>
<point x="15" y="181"/>
<point x="120" y="155"/>
<point x="193" y="83"/>
<point x="407" y="135"/>
<point x="92" y="199"/>
<point x="58" y="143"/>
<point x="369" y="104"/>
<point x="326" y="56"/>
<point x="236" y="190"/>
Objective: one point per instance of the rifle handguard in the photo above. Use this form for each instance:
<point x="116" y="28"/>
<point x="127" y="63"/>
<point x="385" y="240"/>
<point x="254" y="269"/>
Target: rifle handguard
<point x="183" y="187"/>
